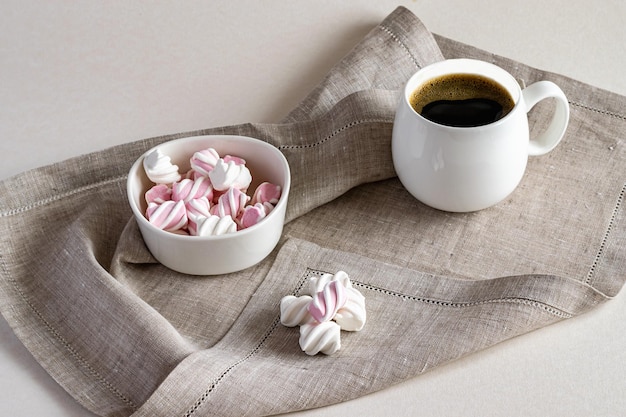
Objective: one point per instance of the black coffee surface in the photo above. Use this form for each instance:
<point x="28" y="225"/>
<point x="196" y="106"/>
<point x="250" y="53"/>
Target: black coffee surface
<point x="462" y="100"/>
<point x="463" y="113"/>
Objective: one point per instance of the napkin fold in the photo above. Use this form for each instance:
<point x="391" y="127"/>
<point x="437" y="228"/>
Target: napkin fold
<point x="126" y="336"/>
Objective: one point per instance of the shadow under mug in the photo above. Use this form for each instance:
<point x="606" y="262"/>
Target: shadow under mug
<point x="464" y="169"/>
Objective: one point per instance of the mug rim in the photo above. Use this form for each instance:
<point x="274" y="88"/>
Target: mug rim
<point x="411" y="85"/>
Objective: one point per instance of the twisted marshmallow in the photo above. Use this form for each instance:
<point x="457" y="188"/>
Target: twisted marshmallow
<point x="192" y="174"/>
<point x="351" y="317"/>
<point x="197" y="208"/>
<point x="231" y="203"/>
<point x="294" y="310"/>
<point x="251" y="215"/>
<point x="266" y="192"/>
<point x="229" y="174"/>
<point x="188" y="189"/>
<point x="159" y="168"/>
<point x="320" y="337"/>
<point x="169" y="216"/>
<point x="328" y="301"/>
<point x="158" y="194"/>
<point x="333" y="298"/>
<point x="204" y="161"/>
<point x="317" y="284"/>
<point x="237" y="160"/>
<point x="215" y="226"/>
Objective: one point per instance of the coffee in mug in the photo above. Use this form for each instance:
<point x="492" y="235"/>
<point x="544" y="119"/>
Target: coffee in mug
<point x="462" y="100"/>
<point x="460" y="138"/>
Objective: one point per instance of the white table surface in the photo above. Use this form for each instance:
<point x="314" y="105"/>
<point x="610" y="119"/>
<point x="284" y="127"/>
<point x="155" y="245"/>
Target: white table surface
<point x="82" y="76"/>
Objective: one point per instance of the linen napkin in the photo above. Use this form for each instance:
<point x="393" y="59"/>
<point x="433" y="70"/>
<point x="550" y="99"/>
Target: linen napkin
<point x="126" y="336"/>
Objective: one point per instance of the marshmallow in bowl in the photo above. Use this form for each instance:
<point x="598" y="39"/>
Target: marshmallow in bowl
<point x="253" y="214"/>
<point x="231" y="203"/>
<point x="266" y="192"/>
<point x="204" y="161"/>
<point x="170" y="216"/>
<point x="159" y="168"/>
<point x="214" y="186"/>
<point x="215" y="226"/>
<point x="230" y="174"/>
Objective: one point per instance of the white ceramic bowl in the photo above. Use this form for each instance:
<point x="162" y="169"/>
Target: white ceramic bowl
<point x="213" y="255"/>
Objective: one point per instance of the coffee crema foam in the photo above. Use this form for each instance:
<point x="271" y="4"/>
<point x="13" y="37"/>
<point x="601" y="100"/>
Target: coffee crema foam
<point x="463" y="100"/>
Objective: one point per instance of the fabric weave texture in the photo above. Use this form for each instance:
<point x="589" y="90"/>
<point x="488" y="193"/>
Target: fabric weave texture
<point x="126" y="336"/>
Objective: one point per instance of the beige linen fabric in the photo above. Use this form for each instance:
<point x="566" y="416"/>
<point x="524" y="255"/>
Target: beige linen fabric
<point x="124" y="335"/>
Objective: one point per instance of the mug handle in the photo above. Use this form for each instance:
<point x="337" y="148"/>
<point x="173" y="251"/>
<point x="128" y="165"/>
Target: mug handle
<point x="547" y="140"/>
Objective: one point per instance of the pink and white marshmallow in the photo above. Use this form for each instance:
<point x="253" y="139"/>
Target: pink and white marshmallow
<point x="351" y="317"/>
<point x="327" y="302"/>
<point x="334" y="305"/>
<point x="204" y="161"/>
<point x="188" y="189"/>
<point x="229" y="174"/>
<point x="159" y="193"/>
<point x="266" y="192"/>
<point x="237" y="160"/>
<point x="294" y="311"/>
<point x="159" y="168"/>
<point x="169" y="216"/>
<point x="231" y="203"/>
<point x="197" y="208"/>
<point x="251" y="215"/>
<point x="215" y="226"/>
<point x="214" y="187"/>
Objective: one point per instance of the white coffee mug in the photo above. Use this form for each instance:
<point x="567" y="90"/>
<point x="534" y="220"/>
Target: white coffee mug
<point x="463" y="169"/>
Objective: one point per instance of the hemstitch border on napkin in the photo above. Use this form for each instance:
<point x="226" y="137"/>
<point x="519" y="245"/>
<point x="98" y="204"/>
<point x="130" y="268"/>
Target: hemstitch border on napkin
<point x="309" y="272"/>
<point x="56" y="197"/>
<point x="605" y="238"/>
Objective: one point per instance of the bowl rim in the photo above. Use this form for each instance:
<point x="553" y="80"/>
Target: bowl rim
<point x="138" y="164"/>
